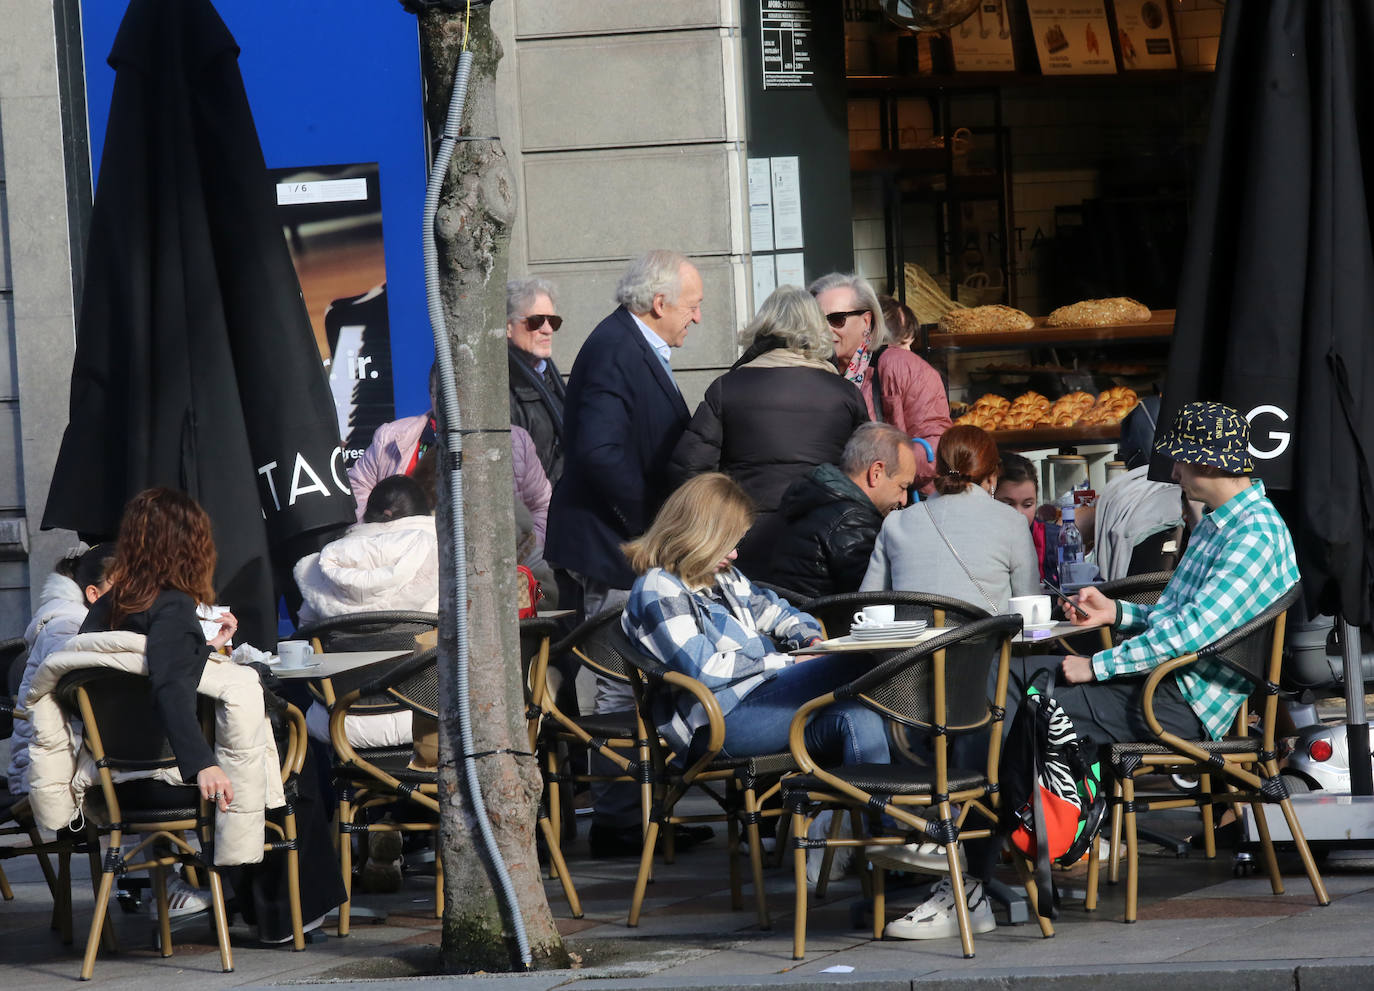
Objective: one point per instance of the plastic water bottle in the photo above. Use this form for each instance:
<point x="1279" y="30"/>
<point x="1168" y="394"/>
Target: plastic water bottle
<point x="1070" y="550"/>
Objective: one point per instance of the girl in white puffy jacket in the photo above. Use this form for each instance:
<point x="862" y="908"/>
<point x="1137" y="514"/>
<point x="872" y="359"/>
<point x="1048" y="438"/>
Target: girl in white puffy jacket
<point x="390" y="561"/>
<point x="68" y="592"/>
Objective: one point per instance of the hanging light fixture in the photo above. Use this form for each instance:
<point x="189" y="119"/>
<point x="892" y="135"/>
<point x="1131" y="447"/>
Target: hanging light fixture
<point x="929" y="15"/>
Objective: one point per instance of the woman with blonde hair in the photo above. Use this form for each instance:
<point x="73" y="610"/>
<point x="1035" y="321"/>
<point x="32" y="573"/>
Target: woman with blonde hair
<point x="692" y="609"/>
<point x="779" y="412"/>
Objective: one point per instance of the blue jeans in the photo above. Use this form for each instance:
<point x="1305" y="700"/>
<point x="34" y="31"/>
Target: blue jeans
<point x="844" y="733"/>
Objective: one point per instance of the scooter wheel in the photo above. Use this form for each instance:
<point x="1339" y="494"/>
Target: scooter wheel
<point x="1243" y="866"/>
<point x="1297" y="785"/>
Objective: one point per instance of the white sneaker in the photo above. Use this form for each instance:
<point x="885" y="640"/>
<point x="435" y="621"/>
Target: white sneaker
<point x="182" y="899"/>
<point x="928" y="857"/>
<point x="935" y="917"/>
<point x="306" y="927"/>
<point x="839" y="864"/>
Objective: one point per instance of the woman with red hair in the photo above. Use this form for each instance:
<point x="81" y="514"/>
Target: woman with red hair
<point x="163" y="569"/>
<point x="164" y="566"/>
<point x="961" y="541"/>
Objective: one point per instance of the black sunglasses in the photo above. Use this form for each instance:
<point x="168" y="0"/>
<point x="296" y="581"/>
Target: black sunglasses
<point x="536" y="320"/>
<point x="838" y="318"/>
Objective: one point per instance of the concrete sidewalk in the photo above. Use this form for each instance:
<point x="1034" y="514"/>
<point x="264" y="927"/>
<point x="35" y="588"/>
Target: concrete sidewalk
<point x="1199" y="925"/>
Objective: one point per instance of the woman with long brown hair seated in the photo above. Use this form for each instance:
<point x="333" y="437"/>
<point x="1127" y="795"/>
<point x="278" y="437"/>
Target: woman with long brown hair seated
<point x="163" y="568"/>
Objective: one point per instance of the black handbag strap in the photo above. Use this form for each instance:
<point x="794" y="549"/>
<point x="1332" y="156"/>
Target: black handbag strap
<point x="876" y="384"/>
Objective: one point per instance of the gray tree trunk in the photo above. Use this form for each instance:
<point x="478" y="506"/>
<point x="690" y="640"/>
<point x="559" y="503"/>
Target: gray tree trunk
<point x="476" y="210"/>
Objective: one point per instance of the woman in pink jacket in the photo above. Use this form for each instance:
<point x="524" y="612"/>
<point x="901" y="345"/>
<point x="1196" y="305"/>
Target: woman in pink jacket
<point x="912" y="393"/>
<point x="397" y="447"/>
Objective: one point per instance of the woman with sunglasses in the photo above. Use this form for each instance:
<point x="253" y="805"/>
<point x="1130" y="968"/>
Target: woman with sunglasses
<point x="912" y="394"/>
<point x="536" y="387"/>
<point x="780" y="411"/>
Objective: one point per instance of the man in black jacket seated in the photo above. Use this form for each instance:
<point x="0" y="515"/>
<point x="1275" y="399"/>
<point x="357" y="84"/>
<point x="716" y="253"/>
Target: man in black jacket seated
<point x="833" y="514"/>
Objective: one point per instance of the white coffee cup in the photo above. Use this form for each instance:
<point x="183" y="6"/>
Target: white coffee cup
<point x="294" y="653"/>
<point x="875" y="616"/>
<point x="1034" y="609"/>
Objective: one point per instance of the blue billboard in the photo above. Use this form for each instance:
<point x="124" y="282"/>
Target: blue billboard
<point x="336" y="94"/>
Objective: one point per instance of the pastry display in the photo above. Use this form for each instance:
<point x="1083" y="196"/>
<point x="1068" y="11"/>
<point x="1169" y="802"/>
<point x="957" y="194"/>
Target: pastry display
<point x="1099" y="313"/>
<point x="1095" y="414"/>
<point x="985" y="320"/>
<point x="1031" y="410"/>
<point x="1111" y="406"/>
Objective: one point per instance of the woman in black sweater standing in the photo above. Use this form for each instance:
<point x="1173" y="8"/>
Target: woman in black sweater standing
<point x="781" y="410"/>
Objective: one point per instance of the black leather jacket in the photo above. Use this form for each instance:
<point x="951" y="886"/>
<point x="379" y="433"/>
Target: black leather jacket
<point x="830" y="527"/>
<point x="536" y="403"/>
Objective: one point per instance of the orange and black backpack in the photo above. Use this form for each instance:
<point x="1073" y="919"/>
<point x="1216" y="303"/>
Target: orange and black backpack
<point x="1051" y="782"/>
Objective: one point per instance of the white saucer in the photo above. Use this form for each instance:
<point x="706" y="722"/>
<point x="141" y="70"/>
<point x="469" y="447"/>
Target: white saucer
<point x="887" y="631"/>
<point x="279" y="667"/>
<point x="1040" y="626"/>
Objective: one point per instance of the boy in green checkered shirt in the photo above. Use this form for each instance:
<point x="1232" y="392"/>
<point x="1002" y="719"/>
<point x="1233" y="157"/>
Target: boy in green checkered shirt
<point x="1239" y="561"/>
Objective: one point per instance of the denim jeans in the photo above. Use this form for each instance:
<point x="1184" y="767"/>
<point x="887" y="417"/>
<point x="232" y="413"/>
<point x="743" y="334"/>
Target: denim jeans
<point x="844" y="733"/>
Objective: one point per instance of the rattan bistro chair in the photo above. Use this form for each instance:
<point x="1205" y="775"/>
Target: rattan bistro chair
<point x="16" y="820"/>
<point x="116" y="710"/>
<point x="1247" y="764"/>
<point x="613" y="736"/>
<point x="383" y="779"/>
<point x="535" y="634"/>
<point x="1145" y="590"/>
<point x="739" y="786"/>
<point x="836" y="612"/>
<point x="940" y="688"/>
<point x="1141" y="589"/>
<point x="836" y="615"/>
<point x="389" y="630"/>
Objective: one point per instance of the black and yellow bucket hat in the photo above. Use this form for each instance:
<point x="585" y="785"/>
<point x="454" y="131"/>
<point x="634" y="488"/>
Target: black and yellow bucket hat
<point x="1205" y="433"/>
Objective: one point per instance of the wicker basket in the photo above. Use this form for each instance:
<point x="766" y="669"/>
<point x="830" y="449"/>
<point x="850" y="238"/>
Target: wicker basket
<point x="925" y="296"/>
<point x="979" y="289"/>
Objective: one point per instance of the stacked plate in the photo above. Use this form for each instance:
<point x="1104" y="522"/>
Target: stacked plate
<point x="898" y="630"/>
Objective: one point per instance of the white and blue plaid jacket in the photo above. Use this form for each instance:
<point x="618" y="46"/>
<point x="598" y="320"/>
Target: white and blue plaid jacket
<point x="726" y="635"/>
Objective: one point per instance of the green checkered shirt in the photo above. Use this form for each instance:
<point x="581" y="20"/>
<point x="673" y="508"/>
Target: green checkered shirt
<point x="1239" y="561"/>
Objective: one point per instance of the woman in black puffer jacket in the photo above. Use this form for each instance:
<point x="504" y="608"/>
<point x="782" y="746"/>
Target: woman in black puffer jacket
<point x="780" y="411"/>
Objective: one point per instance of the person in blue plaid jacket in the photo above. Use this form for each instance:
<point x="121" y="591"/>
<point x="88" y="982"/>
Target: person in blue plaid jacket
<point x="1240" y="560"/>
<point x="693" y="610"/>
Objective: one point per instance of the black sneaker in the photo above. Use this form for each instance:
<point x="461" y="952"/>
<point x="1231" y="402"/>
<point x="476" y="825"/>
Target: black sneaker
<point x="606" y="842"/>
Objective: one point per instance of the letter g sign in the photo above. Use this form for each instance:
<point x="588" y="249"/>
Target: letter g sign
<point x="1280" y="438"/>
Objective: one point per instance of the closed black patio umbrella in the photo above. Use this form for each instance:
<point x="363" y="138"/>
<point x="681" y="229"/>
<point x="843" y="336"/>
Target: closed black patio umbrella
<point x="1276" y="301"/>
<point x="196" y="367"/>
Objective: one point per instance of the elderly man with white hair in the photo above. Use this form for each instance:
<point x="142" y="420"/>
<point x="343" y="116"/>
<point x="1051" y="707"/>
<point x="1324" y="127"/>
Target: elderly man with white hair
<point x="623" y="415"/>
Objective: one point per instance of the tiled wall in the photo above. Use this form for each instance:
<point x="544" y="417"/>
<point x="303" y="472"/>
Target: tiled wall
<point x="1197" y="24"/>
